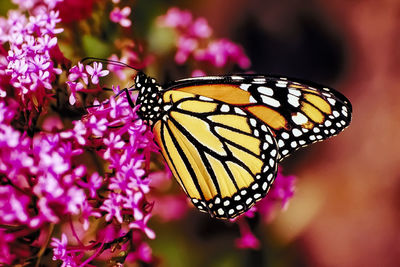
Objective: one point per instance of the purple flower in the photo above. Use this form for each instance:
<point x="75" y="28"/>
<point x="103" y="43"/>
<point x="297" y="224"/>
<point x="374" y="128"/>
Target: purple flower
<point x="142" y="225"/>
<point x="6" y="254"/>
<point x="78" y="71"/>
<point x="59" y="247"/>
<point x="175" y="18"/>
<point x="74" y="87"/>
<point x="194" y="41"/>
<point x="113" y="142"/>
<point x="132" y="203"/>
<point x="112" y="207"/>
<point x="143" y="253"/>
<point x="96" y="72"/>
<point x="282" y="190"/>
<point x="186" y="46"/>
<point x="98" y="126"/>
<point x="121" y="16"/>
<point x="14" y="206"/>
<point x="219" y="52"/>
<point x="30" y="68"/>
<point x="94" y="183"/>
<point x="247" y="240"/>
<point x="200" y="28"/>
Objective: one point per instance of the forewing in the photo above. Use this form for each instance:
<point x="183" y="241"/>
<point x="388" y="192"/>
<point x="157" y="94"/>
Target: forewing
<point x="297" y="113"/>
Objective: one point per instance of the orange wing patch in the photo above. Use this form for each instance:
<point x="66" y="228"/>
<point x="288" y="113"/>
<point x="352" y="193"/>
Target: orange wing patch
<point x="230" y="94"/>
<point x="269" y="116"/>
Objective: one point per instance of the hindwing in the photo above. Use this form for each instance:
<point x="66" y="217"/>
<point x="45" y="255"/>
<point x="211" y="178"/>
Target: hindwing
<point x="224" y="160"/>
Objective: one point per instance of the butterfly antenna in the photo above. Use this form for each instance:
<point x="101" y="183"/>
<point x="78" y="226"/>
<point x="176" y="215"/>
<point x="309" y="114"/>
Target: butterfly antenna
<point x="107" y="61"/>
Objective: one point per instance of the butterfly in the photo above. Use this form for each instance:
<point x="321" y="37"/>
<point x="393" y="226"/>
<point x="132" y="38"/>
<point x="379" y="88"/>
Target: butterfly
<point x="223" y="136"/>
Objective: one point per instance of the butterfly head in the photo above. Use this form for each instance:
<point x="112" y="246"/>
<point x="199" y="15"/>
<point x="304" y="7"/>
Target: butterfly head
<point x="149" y="98"/>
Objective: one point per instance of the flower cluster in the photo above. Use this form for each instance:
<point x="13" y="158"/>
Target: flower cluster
<point x="194" y="41"/>
<point x="30" y="68"/>
<point x="113" y="129"/>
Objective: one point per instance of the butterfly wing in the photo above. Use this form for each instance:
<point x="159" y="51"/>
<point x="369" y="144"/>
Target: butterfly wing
<point x="224" y="159"/>
<point x="297" y="113"/>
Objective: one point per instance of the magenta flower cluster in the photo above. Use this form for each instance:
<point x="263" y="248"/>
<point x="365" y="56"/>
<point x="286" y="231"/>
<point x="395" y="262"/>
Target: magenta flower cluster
<point x="30" y="68"/>
<point x="194" y="41"/>
<point x="82" y="187"/>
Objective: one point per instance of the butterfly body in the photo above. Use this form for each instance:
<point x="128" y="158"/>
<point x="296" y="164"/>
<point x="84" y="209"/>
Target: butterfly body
<point x="223" y="136"/>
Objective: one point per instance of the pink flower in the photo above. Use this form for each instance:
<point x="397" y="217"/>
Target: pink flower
<point x="112" y="206"/>
<point x="194" y="41"/>
<point x="221" y="51"/>
<point x="14" y="208"/>
<point x="121" y="16"/>
<point x="198" y="73"/>
<point x="185" y="47"/>
<point x="74" y="87"/>
<point x="282" y="190"/>
<point x="200" y="28"/>
<point x="76" y="72"/>
<point x="96" y="72"/>
<point x="6" y="254"/>
<point x="142" y="253"/>
<point x="59" y="247"/>
<point x="175" y="18"/>
<point x="142" y="225"/>
<point x="247" y="240"/>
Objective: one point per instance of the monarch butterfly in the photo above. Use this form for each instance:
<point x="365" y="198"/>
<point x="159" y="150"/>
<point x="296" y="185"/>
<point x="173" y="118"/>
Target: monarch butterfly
<point x="222" y="136"/>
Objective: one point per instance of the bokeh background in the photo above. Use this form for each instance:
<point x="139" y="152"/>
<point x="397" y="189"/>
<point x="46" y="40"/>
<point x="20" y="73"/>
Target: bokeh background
<point x="345" y="211"/>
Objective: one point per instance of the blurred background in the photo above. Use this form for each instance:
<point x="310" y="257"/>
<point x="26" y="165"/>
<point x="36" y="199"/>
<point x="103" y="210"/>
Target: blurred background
<point x="345" y="211"/>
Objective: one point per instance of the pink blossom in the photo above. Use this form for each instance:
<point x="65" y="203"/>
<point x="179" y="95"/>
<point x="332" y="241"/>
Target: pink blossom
<point x="142" y="253"/>
<point x="219" y="52"/>
<point x="142" y="225"/>
<point x="200" y="28"/>
<point x="117" y="69"/>
<point x="6" y="254"/>
<point x="175" y="18"/>
<point x="198" y="73"/>
<point x="247" y="240"/>
<point x="96" y="72"/>
<point x="185" y="47"/>
<point x="74" y="87"/>
<point x="121" y="16"/>
<point x="76" y="72"/>
<point x="30" y="68"/>
<point x="194" y="41"/>
<point x="112" y="207"/>
<point x="15" y="206"/>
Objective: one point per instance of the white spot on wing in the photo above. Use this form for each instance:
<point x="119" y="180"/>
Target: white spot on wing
<point x="299" y="118"/>
<point x="239" y="111"/>
<point x="265" y="90"/>
<point x="270" y="101"/>
<point x="293" y="100"/>
<point x="204" y="98"/>
<point x="294" y="92"/>
<point x="237" y="78"/>
<point x="244" y="86"/>
<point x="225" y="108"/>
<point x="296" y="132"/>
